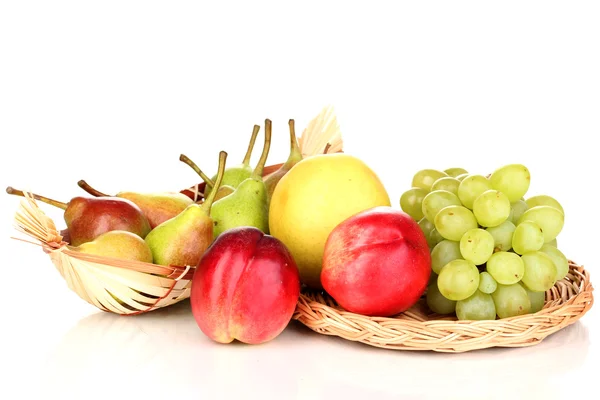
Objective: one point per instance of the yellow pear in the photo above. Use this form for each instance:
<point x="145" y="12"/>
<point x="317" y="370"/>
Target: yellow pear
<point x="316" y="195"/>
<point x="118" y="244"/>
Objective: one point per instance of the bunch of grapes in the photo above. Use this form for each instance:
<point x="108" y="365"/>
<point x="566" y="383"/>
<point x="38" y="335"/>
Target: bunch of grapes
<point x="493" y="252"/>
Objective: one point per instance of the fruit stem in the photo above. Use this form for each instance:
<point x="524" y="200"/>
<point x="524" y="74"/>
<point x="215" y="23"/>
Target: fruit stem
<point x="248" y="155"/>
<point x="85" y="186"/>
<point x="52" y="202"/>
<point x="205" y="178"/>
<point x="213" y="193"/>
<point x="327" y="146"/>
<point x="295" y="153"/>
<point x="258" y="171"/>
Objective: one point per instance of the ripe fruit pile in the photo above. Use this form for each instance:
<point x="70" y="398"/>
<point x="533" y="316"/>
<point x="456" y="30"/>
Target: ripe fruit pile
<point x="472" y="244"/>
<point x="493" y="252"/>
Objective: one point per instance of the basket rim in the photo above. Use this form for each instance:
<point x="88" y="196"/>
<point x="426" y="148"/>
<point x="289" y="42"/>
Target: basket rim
<point x="319" y="312"/>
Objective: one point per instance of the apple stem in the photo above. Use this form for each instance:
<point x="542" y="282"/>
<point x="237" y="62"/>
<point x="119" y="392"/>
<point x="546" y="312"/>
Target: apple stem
<point x="185" y="159"/>
<point x="52" y="202"/>
<point x="213" y="193"/>
<point x="248" y="155"/>
<point x="258" y="171"/>
<point x="327" y="146"/>
<point x="85" y="186"/>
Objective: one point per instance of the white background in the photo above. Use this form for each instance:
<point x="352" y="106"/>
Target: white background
<point x="114" y="91"/>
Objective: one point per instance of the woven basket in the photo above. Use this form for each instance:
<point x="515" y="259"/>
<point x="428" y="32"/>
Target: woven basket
<point x="100" y="281"/>
<point x="130" y="287"/>
<point x="419" y="329"/>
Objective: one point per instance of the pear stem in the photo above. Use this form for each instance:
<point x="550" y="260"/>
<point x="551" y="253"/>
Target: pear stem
<point x="185" y="159"/>
<point x="295" y="153"/>
<point x="258" y="171"/>
<point x="248" y="155"/>
<point x="85" y="186"/>
<point x="213" y="193"/>
<point x="52" y="202"/>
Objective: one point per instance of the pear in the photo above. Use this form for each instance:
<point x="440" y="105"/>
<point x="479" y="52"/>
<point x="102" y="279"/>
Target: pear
<point x="295" y="156"/>
<point x="157" y="206"/>
<point x="183" y="239"/>
<point x="88" y="218"/>
<point x="123" y="245"/>
<point x="224" y="190"/>
<point x="234" y="175"/>
<point x="248" y="204"/>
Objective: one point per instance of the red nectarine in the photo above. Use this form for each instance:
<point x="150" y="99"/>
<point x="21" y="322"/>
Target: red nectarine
<point x="245" y="287"/>
<point x="376" y="262"/>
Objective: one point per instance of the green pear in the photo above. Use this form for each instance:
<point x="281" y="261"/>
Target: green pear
<point x="295" y="157"/>
<point x="157" y="207"/>
<point x="234" y="175"/>
<point x="183" y="239"/>
<point x="123" y="245"/>
<point x="248" y="204"/>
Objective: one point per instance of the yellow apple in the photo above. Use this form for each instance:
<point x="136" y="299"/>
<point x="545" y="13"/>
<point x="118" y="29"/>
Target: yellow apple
<point x="316" y="195"/>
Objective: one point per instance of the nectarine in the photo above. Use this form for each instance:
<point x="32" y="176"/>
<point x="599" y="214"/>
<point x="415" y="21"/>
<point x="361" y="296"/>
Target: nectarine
<point x="376" y="262"/>
<point x="245" y="287"/>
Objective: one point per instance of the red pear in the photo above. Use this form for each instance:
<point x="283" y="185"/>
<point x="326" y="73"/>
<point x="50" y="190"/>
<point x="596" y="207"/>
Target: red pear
<point x="88" y="218"/>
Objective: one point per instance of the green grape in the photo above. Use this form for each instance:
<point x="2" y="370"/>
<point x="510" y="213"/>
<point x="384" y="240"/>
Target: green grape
<point x="553" y="242"/>
<point x="458" y="280"/>
<point x="511" y="300"/>
<point x="540" y="271"/>
<point x="560" y="260"/>
<point x="432" y="278"/>
<point x="491" y="208"/>
<point x="434" y="238"/>
<point x="431" y="235"/>
<point x="436" y="200"/>
<point x="513" y="180"/>
<point x="454" y="172"/>
<point x="528" y="237"/>
<point x="479" y="306"/>
<point x="502" y="235"/>
<point x="426" y="226"/>
<point x="411" y="202"/>
<point x="461" y="177"/>
<point x="446" y="183"/>
<point x="548" y="218"/>
<point x="506" y="268"/>
<point x="444" y="252"/>
<point x="453" y="222"/>
<point x="424" y="178"/>
<point x="517" y="209"/>
<point x="471" y="187"/>
<point x="544" y="200"/>
<point x="537" y="299"/>
<point x="477" y="245"/>
<point x="437" y="302"/>
<point x="487" y="283"/>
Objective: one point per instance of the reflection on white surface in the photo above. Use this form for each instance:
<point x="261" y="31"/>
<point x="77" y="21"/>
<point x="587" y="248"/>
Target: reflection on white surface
<point x="165" y="353"/>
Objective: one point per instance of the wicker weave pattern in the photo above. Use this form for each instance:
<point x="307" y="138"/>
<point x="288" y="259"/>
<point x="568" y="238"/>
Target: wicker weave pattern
<point x="418" y="329"/>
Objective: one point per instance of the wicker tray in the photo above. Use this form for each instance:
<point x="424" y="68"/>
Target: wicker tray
<point x="419" y="329"/>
